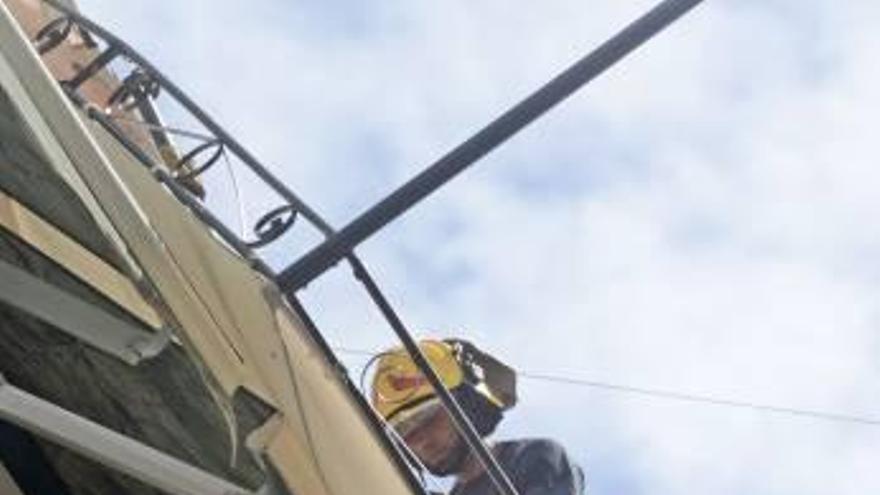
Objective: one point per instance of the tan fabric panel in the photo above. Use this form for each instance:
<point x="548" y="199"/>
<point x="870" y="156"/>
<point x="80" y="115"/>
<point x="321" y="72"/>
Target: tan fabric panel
<point x="7" y="484"/>
<point x="332" y="423"/>
<point x="231" y="317"/>
<point x="89" y="268"/>
<point x="225" y="290"/>
<point x="318" y="414"/>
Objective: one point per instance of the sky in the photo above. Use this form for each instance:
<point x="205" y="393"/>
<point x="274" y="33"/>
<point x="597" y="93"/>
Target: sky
<point x="697" y="220"/>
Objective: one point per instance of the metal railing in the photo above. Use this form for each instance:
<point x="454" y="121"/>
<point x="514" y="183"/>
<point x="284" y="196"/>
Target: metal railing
<point x="137" y="91"/>
<point x="145" y="83"/>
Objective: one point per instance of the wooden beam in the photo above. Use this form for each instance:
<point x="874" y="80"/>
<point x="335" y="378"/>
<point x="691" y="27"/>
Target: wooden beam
<point x="79" y="261"/>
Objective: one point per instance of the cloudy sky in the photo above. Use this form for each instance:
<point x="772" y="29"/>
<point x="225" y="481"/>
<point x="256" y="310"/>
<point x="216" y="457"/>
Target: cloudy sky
<point x="700" y="220"/>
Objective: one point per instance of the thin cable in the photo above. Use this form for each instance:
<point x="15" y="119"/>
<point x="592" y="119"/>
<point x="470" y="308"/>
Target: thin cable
<point x="239" y="195"/>
<point x="705" y="399"/>
<point x="677" y="396"/>
<point x="163" y="128"/>
<point x="314" y="456"/>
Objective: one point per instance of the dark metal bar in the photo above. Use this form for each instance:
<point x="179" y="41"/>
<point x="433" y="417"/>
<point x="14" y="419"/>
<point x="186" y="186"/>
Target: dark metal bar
<point x="197" y="112"/>
<point x="109" y="448"/>
<point x="459" y="419"/>
<point x="94" y="66"/>
<point x="151" y="116"/>
<point x="514" y="120"/>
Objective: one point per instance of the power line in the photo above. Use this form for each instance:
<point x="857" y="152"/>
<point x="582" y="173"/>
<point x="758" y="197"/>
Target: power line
<point x="704" y="399"/>
<point x="677" y="396"/>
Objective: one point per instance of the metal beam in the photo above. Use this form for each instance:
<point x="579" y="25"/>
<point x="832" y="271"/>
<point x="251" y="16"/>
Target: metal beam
<point x="456" y="413"/>
<point x="318" y="260"/>
<point x="83" y="320"/>
<point x="107" y="447"/>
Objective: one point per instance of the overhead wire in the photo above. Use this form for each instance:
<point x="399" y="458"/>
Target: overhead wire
<point x="239" y="195"/>
<point x="673" y="395"/>
<point x="163" y="128"/>
<point x="237" y="190"/>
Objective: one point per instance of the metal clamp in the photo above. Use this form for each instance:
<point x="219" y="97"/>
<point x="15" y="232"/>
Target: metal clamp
<point x="136" y="87"/>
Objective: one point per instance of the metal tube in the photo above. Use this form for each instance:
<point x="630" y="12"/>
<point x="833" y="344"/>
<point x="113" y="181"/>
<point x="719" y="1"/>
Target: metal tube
<point x="94" y="66"/>
<point x="514" y="120"/>
<point x="108" y="448"/>
<point x="459" y="419"/>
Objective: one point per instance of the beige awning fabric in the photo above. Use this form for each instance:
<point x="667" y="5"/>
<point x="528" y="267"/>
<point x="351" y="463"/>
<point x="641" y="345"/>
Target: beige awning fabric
<point x="230" y="317"/>
<point x="7" y="484"/>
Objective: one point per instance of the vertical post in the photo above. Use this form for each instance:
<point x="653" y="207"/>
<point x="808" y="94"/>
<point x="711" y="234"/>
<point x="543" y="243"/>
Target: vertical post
<point x="459" y="419"/>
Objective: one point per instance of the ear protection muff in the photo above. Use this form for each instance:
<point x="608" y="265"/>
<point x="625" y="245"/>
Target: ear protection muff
<point x="483" y="413"/>
<point x="489" y="386"/>
<point x="485" y="371"/>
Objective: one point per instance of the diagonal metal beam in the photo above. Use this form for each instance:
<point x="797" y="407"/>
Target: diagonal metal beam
<point x="107" y="447"/>
<point x="459" y="419"/>
<point x="331" y="251"/>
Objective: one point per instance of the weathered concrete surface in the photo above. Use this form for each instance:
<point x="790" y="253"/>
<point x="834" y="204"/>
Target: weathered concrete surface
<point x="163" y="402"/>
<point x="26" y="176"/>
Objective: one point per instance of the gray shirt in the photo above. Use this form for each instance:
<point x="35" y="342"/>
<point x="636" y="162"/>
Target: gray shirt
<point x="535" y="467"/>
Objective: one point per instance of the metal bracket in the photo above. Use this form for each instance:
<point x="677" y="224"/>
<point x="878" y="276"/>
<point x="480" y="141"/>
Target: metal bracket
<point x="85" y="321"/>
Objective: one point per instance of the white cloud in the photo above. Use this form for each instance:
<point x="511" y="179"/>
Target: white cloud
<point x="697" y="220"/>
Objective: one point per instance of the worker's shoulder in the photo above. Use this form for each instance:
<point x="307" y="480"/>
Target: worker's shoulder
<point x="529" y="451"/>
<point x="540" y="462"/>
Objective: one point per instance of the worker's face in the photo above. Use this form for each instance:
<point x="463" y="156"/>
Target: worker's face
<point x="437" y="444"/>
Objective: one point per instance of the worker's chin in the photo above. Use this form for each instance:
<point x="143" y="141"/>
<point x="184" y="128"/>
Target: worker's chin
<point x="450" y="464"/>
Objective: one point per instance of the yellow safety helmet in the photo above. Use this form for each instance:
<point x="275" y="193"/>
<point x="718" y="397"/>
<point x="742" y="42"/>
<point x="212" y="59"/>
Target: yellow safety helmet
<point x="483" y="386"/>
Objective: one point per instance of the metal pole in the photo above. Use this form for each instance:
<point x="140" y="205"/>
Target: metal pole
<point x="459" y="419"/>
<point x="368" y="223"/>
<point x="109" y="448"/>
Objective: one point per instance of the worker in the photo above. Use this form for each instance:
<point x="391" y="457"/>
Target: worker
<point x="484" y="388"/>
